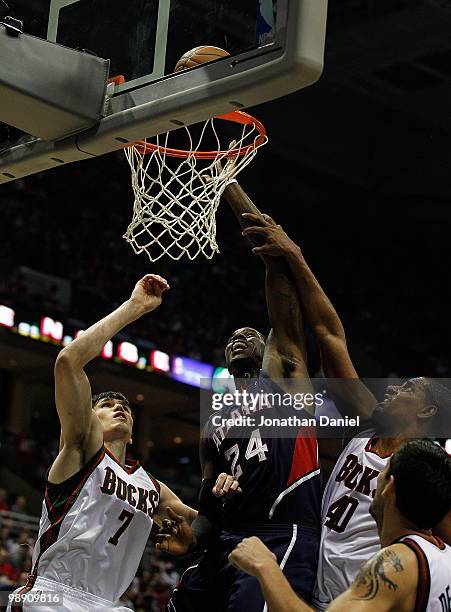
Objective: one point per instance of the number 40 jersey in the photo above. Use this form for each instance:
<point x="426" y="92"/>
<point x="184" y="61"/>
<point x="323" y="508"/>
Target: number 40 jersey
<point x="94" y="527"/>
<point x="348" y="533"/>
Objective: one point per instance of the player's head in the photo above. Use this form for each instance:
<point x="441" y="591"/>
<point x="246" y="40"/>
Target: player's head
<point x="417" y="483"/>
<point x="421" y="407"/>
<point x="115" y="415"/>
<point x="244" y="351"/>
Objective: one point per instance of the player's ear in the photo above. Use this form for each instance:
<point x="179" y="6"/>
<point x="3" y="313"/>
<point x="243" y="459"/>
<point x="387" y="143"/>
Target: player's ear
<point x="427" y="412"/>
<point x="389" y="488"/>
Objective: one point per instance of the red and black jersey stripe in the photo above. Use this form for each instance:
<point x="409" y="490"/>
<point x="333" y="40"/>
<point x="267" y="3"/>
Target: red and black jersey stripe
<point x="424" y="575"/>
<point x="59" y="498"/>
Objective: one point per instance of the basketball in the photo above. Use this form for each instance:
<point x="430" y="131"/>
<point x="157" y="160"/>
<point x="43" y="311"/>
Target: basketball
<point x="198" y="56"/>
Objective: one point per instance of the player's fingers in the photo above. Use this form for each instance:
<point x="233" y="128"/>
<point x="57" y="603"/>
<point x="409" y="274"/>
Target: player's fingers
<point x="254" y="229"/>
<point x="233" y="560"/>
<point x="161" y="282"/>
<point x="269" y="219"/>
<point x="235" y="487"/>
<point x="261" y="250"/>
<point x="257" y="218"/>
<point x="169" y="526"/>
<point x="162" y="542"/>
<point x="217" y="489"/>
<point x="155" y="285"/>
<point x="227" y="484"/>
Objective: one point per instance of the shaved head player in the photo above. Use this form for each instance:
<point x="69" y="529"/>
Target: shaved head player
<point x="98" y="509"/>
<point x="278" y="471"/>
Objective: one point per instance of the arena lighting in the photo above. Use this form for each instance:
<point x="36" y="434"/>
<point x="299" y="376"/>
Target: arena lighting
<point x="24" y="329"/>
<point x="6" y="316"/>
<point x="160" y="361"/>
<point x="142" y="363"/>
<point x="222" y="381"/>
<point x="128" y="352"/>
<point x="35" y="332"/>
<point x="192" y="372"/>
<point x="107" y="351"/>
<point x="51" y="329"/>
<point x="183" y="369"/>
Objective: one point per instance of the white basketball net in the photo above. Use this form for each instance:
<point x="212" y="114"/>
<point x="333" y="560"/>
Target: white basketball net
<point x="176" y="199"/>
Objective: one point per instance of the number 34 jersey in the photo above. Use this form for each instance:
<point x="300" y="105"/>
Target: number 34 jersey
<point x="348" y="533"/>
<point x="275" y="463"/>
<point x="95" y="525"/>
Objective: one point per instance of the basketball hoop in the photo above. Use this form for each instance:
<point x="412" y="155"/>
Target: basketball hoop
<point x="177" y="190"/>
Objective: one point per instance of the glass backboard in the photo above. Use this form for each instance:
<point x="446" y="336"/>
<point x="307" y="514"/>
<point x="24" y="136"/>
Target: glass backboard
<point x="275" y="47"/>
<point x="145" y="38"/>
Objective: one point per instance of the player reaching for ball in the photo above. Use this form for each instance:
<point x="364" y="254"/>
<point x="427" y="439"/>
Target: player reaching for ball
<point x="278" y="471"/>
<point x="98" y="509"/>
<point x="418" y="408"/>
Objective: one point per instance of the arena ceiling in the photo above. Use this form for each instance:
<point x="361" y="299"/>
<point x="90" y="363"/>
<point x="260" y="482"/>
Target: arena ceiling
<point x="380" y="117"/>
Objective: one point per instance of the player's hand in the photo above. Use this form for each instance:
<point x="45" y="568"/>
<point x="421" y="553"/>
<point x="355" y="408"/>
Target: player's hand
<point x="276" y="242"/>
<point x="226" y="486"/>
<point x="148" y="291"/>
<point x="176" y="536"/>
<point x="225" y="167"/>
<point x="251" y="555"/>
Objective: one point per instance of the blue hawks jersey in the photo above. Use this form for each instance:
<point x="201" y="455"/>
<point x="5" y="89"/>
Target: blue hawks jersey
<point x="277" y="467"/>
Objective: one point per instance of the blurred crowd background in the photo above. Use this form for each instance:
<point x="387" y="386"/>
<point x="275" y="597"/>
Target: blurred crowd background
<point x="149" y="592"/>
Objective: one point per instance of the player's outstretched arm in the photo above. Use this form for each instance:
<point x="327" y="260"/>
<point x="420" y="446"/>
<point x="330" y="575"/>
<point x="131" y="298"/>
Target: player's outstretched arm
<point x="319" y="313"/>
<point x="80" y="428"/>
<point x="285" y="353"/>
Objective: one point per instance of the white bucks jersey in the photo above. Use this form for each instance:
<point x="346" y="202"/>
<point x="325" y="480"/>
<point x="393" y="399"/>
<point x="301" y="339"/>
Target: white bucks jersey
<point x="434" y="575"/>
<point x="348" y="532"/>
<point x="94" y="527"/>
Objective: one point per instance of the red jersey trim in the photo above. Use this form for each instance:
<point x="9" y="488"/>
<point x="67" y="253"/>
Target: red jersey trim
<point x="424" y="575"/>
<point x="369" y="448"/>
<point x="130" y="467"/>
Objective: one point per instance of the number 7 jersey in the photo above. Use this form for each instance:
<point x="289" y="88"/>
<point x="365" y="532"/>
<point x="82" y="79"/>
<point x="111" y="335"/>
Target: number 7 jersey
<point x="95" y="525"/>
<point x="349" y="534"/>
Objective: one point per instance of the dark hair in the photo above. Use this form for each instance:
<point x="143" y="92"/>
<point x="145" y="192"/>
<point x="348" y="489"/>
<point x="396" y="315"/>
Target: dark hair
<point x="422" y="472"/>
<point x="440" y="396"/>
<point x="110" y="395"/>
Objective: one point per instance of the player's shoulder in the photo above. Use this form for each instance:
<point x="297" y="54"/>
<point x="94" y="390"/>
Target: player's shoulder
<point x="361" y="443"/>
<point x="155" y="482"/>
<point x="392" y="572"/>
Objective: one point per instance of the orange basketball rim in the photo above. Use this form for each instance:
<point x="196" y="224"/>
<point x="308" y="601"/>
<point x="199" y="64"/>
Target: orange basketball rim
<point x="239" y="117"/>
